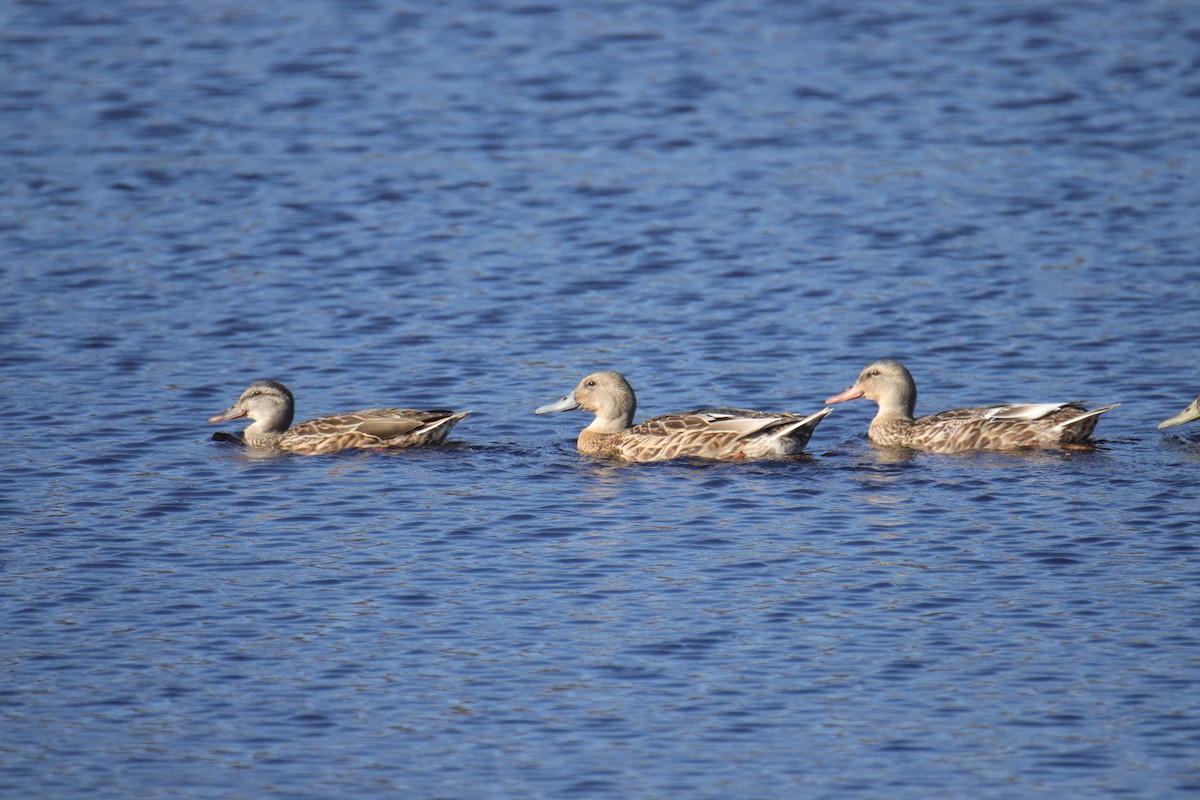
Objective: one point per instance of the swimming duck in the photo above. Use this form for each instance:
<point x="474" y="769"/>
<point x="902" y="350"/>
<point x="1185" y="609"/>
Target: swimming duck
<point x="271" y="406"/>
<point x="1000" y="427"/>
<point x="724" y="433"/>
<point x="1187" y="415"/>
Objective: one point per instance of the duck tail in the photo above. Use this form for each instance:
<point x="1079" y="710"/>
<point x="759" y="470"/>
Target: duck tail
<point x="809" y="423"/>
<point x="448" y="422"/>
<point x="1087" y="415"/>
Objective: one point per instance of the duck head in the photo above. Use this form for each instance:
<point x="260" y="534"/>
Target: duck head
<point x="606" y="394"/>
<point x="268" y="403"/>
<point x="1187" y="415"/>
<point x="886" y="382"/>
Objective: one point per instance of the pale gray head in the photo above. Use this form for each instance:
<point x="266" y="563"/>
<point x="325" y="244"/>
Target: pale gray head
<point x="607" y="395"/>
<point x="887" y="383"/>
<point x="268" y="403"/>
<point x="1187" y="415"/>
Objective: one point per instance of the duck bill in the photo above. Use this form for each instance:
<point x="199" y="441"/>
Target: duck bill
<point x="566" y="404"/>
<point x="853" y="393"/>
<point x="1187" y="415"/>
<point x="233" y="412"/>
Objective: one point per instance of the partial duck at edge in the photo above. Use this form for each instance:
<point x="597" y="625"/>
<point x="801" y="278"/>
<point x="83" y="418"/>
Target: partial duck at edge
<point x="1187" y="415"/>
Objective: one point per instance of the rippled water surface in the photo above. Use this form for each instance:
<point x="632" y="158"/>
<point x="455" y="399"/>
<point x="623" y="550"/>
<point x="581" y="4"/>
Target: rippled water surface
<point x="470" y="206"/>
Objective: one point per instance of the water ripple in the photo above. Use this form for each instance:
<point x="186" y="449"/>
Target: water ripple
<point x="469" y="208"/>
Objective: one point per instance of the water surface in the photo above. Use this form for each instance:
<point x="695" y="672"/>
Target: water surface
<point x="733" y="204"/>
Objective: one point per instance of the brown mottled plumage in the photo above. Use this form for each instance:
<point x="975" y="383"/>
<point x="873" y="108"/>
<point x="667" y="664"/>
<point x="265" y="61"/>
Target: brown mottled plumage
<point x="1001" y="427"/>
<point x="725" y="433"/>
<point x="1187" y="415"/>
<point x="271" y="406"/>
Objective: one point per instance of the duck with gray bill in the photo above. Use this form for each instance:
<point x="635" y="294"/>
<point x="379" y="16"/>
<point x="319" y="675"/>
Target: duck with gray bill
<point x="722" y="434"/>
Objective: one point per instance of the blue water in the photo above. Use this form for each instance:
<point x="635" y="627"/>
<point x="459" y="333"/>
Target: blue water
<point x="471" y="207"/>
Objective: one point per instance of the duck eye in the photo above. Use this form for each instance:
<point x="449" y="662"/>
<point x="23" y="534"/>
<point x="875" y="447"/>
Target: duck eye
<point x="590" y="384"/>
<point x="874" y="373"/>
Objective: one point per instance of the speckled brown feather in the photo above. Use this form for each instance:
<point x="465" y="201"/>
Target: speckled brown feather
<point x="373" y="428"/>
<point x="270" y="405"/>
<point x="971" y="429"/>
<point x="722" y="434"/>
<point x="1001" y="427"/>
<point x="699" y="434"/>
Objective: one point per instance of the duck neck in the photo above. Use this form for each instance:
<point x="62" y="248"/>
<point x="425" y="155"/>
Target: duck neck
<point x="615" y="416"/>
<point x="897" y="404"/>
<point x="607" y="425"/>
<point x="263" y="432"/>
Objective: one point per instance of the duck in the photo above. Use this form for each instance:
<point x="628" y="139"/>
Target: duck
<point x="998" y="427"/>
<point x="716" y="433"/>
<point x="1187" y="415"/>
<point x="271" y="406"/>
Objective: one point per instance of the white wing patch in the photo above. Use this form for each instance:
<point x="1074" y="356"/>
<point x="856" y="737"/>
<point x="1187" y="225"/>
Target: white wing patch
<point x="1027" y="411"/>
<point x="742" y="426"/>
